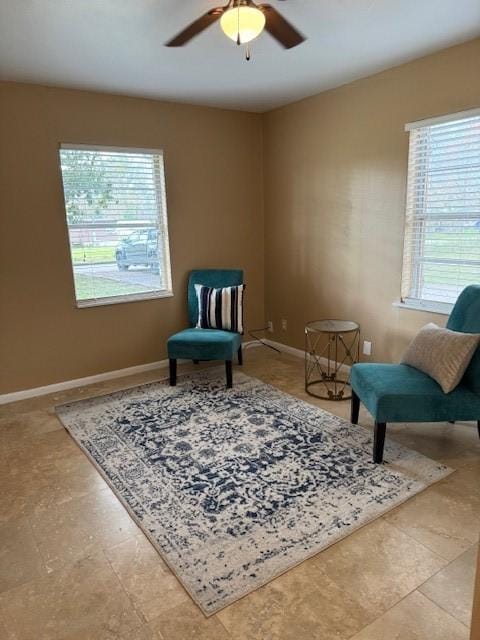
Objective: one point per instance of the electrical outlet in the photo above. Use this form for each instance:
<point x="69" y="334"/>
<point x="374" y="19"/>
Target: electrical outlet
<point x="284" y="324"/>
<point x="270" y="326"/>
<point x="367" y="348"/>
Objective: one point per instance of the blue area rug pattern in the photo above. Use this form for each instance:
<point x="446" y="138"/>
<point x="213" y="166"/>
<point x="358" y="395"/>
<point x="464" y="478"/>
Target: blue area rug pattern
<point x="234" y="487"/>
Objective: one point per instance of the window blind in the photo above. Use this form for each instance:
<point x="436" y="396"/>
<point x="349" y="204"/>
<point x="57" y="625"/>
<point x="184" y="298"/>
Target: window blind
<point x="442" y="226"/>
<point x="116" y="214"/>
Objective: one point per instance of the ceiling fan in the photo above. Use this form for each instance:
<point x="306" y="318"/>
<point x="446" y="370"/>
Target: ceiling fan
<point x="243" y="21"/>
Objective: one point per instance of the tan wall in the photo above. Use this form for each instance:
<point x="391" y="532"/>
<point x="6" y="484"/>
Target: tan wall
<point x="214" y="191"/>
<point x="335" y="179"/>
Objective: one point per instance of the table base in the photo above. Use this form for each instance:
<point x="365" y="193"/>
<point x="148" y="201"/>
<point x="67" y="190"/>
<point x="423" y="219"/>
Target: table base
<point x="330" y="394"/>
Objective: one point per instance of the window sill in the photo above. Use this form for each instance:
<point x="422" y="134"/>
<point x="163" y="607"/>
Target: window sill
<point x="442" y="308"/>
<point x="101" y="302"/>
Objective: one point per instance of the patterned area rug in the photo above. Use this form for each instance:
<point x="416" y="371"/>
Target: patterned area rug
<point x="234" y="487"/>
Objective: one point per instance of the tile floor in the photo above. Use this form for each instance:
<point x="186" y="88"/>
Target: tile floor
<point x="73" y="566"/>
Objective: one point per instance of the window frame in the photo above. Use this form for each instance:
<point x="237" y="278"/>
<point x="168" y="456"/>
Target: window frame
<point x="167" y="292"/>
<point x="420" y="304"/>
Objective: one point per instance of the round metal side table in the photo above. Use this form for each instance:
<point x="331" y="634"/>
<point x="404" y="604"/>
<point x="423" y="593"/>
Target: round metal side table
<point x="330" y="345"/>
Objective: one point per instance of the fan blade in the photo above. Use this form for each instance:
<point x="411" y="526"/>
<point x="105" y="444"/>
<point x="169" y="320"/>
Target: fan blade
<point x="195" y="28"/>
<point x="279" y="28"/>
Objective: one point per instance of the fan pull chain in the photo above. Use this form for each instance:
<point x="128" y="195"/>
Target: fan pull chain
<point x="247" y="52"/>
<point x="238" y="26"/>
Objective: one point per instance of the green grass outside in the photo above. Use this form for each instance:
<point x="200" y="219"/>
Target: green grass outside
<point x="445" y="245"/>
<point x="82" y="255"/>
<point x="449" y="274"/>
<point x="87" y="287"/>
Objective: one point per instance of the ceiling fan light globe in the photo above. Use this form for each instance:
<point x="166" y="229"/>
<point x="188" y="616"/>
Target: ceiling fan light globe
<point x="242" y="24"/>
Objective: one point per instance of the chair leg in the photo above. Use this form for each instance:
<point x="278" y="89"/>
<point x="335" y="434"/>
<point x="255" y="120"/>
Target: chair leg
<point x="240" y="356"/>
<point x="379" y="441"/>
<point x="173" y="372"/>
<point x="228" y="370"/>
<point x="354" y="408"/>
<point x="196" y="361"/>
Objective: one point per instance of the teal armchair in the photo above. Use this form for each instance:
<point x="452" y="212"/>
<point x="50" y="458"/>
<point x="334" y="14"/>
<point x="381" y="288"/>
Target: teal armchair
<point x="400" y="393"/>
<point x="206" y="344"/>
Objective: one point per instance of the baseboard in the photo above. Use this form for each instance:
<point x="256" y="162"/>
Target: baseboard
<point x="80" y="382"/>
<point x="285" y="348"/>
<point x="15" y="396"/>
<point x="299" y="353"/>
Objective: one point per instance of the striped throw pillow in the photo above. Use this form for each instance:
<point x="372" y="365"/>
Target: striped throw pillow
<point x="220" y="308"/>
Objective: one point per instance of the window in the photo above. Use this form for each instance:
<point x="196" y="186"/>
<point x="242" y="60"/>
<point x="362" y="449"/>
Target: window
<point x="442" y="228"/>
<point x="117" y="223"/>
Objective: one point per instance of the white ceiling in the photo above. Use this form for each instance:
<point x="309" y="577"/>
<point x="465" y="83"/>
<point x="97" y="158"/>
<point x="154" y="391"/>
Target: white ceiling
<point x="117" y="46"/>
